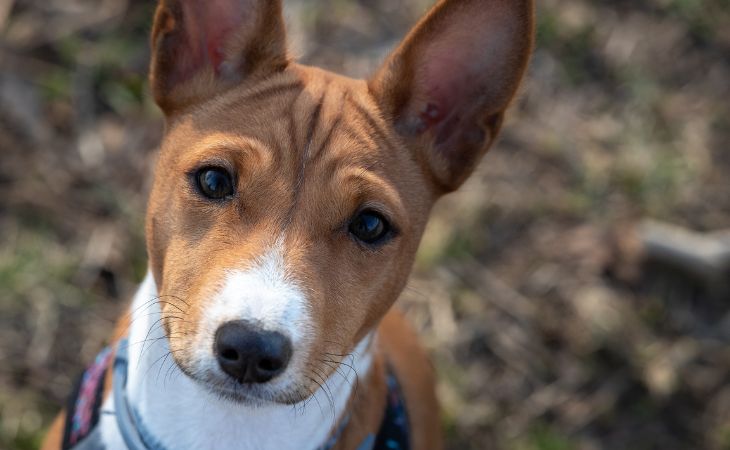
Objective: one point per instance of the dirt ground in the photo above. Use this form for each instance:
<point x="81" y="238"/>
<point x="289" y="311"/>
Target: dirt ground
<point x="547" y="329"/>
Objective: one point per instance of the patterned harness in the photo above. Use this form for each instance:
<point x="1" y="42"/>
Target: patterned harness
<point x="84" y="409"/>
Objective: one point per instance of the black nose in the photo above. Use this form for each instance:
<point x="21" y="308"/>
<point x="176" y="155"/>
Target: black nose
<point x="250" y="354"/>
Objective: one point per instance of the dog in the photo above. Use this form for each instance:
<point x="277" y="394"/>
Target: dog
<point x="286" y="209"/>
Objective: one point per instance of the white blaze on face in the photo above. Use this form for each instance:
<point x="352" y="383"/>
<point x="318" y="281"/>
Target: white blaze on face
<point x="184" y="414"/>
<point x="262" y="294"/>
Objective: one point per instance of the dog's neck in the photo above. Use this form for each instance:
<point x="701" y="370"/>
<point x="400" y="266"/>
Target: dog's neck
<point x="182" y="414"/>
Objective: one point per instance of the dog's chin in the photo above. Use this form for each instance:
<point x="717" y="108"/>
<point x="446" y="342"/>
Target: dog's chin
<point x="253" y="395"/>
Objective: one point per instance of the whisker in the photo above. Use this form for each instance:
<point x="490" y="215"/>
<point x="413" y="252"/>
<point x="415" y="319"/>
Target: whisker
<point x="174" y="335"/>
<point x="169" y="352"/>
<point x="350" y="366"/>
<point x="343" y="356"/>
<point x="339" y="355"/>
<point x="175" y="297"/>
<point x="159" y="371"/>
<point x="160" y="321"/>
<point x="354" y="387"/>
<point x="314" y="394"/>
<point x="339" y="344"/>
<point x="153" y="301"/>
<point x="325" y="388"/>
<point x="338" y="370"/>
<point x="171" y="371"/>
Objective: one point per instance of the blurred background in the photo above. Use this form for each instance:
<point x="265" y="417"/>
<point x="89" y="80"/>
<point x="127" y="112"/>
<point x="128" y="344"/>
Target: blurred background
<point x="556" y="315"/>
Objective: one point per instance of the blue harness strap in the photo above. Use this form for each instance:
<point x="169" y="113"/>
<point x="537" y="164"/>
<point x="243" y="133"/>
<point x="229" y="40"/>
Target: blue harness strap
<point x="84" y="407"/>
<point x="132" y="429"/>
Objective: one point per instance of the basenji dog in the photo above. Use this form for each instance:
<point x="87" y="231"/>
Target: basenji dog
<point x="286" y="209"/>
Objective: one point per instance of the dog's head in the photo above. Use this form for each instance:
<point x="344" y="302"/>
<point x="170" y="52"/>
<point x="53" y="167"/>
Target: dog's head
<point x="288" y="202"/>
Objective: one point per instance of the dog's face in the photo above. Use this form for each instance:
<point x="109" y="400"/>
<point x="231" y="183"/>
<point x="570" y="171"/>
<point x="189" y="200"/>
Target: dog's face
<point x="312" y="233"/>
<point x="288" y="201"/>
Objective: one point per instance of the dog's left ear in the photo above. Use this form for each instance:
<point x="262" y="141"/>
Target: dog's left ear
<point x="448" y="84"/>
<point x="201" y="48"/>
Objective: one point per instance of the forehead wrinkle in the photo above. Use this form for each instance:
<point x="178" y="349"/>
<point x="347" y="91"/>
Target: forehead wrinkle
<point x="359" y="138"/>
<point x="302" y="149"/>
<point x="262" y="93"/>
<point x="313" y="120"/>
<point x="375" y="124"/>
<point x="332" y="99"/>
<point x="265" y="90"/>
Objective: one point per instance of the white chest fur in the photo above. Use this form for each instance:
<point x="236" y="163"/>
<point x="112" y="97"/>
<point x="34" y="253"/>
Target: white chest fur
<point x="183" y="415"/>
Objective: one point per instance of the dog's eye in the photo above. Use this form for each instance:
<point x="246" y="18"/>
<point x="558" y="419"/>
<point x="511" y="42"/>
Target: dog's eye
<point x="369" y="227"/>
<point x="214" y="182"/>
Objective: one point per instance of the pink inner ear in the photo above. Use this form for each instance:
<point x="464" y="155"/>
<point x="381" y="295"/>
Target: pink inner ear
<point x="460" y="66"/>
<point x="209" y="25"/>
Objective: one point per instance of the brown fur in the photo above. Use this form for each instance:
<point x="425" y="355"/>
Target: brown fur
<point x="54" y="436"/>
<point x="308" y="149"/>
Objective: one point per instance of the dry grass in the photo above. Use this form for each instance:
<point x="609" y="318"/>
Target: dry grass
<point x="546" y="331"/>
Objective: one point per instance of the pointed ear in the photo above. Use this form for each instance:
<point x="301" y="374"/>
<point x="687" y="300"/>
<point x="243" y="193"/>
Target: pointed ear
<point x="203" y="47"/>
<point x="448" y="84"/>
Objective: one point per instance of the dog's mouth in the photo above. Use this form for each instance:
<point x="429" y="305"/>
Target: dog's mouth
<point x="277" y="391"/>
<point x="253" y="394"/>
<point x="256" y="392"/>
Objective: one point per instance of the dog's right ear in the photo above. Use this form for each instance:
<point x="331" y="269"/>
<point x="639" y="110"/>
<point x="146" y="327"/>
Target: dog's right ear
<point x="447" y="86"/>
<point x="203" y="47"/>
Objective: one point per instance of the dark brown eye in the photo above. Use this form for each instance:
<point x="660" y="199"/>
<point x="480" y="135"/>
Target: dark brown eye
<point x="369" y="226"/>
<point x="214" y="183"/>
